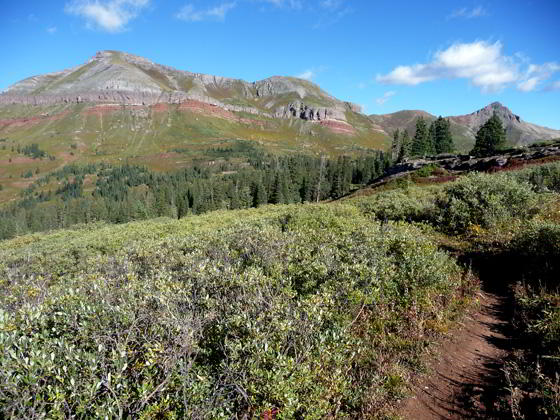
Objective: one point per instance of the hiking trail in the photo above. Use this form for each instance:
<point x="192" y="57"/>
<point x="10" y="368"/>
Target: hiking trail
<point x="464" y="378"/>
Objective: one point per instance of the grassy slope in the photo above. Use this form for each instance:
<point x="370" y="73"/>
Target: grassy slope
<point x="47" y="273"/>
<point x="143" y="136"/>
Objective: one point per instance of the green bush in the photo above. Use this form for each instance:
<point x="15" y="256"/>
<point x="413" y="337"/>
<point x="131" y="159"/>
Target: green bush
<point x="410" y="204"/>
<point x="542" y="177"/>
<point x="537" y="248"/>
<point x="484" y="200"/>
<point x="308" y="310"/>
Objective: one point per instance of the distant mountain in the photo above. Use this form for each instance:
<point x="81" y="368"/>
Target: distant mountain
<point x="464" y="127"/>
<point x="117" y="77"/>
<point x="518" y="132"/>
<point x="122" y="107"/>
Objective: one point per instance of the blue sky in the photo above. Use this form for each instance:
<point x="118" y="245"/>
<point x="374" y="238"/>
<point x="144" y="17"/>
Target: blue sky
<point x="446" y="57"/>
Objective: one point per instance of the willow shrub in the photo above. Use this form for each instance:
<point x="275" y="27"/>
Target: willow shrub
<point x="532" y="371"/>
<point x="484" y="200"/>
<point x="413" y="204"/>
<point x="310" y="312"/>
<point x="537" y="248"/>
<point x="542" y="177"/>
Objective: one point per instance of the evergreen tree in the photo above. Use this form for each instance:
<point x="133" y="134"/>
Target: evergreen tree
<point x="406" y="145"/>
<point x="305" y="190"/>
<point x="443" y="141"/>
<point x="430" y="148"/>
<point x="259" y="194"/>
<point x="277" y="194"/>
<point x="490" y="137"/>
<point x="396" y="145"/>
<point x="420" y="139"/>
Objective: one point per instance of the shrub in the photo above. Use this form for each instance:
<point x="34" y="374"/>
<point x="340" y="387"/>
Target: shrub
<point x="537" y="249"/>
<point x="542" y="177"/>
<point x="305" y="311"/>
<point x="484" y="200"/>
<point x="411" y="205"/>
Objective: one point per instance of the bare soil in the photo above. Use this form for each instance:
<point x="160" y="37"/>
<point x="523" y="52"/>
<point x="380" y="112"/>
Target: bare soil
<point x="464" y="380"/>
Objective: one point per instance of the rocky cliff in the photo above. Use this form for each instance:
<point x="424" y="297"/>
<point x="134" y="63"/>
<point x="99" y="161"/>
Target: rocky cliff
<point x="121" y="78"/>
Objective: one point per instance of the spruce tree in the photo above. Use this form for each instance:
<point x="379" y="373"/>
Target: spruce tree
<point x="396" y="145"/>
<point x="443" y="142"/>
<point x="406" y="145"/>
<point x="430" y="148"/>
<point x="490" y="137"/>
<point x="420" y="139"/>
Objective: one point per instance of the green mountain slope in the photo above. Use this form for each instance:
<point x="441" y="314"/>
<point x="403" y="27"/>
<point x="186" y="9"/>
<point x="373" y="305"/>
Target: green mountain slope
<point x="119" y="107"/>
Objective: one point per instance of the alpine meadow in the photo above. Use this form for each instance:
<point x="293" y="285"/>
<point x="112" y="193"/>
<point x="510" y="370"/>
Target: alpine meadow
<point x="288" y="233"/>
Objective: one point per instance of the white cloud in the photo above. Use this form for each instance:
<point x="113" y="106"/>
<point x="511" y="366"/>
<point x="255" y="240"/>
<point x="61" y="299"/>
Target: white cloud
<point x="536" y="74"/>
<point x="311" y="73"/>
<point x="386" y="96"/>
<point x="480" y="62"/>
<point x="528" y="85"/>
<point x="466" y="13"/>
<point x="307" y="75"/>
<point x="111" y="16"/>
<point x="294" y="4"/>
<point x="189" y="13"/>
<point x="554" y="86"/>
<point x="51" y="29"/>
<point x="334" y="12"/>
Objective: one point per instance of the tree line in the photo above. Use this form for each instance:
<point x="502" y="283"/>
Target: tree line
<point x="428" y="140"/>
<point x="436" y="139"/>
<point x="125" y="193"/>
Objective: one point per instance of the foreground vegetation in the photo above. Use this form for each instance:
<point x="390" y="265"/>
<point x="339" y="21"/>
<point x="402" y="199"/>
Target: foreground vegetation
<point x="311" y="311"/>
<point x="286" y="311"/>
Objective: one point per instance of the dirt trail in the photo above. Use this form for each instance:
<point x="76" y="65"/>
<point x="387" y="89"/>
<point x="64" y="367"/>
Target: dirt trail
<point x="463" y="381"/>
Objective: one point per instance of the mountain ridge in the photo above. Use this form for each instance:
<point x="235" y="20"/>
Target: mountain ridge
<point x="118" y="77"/>
<point x="136" y="87"/>
<point x="464" y="127"/>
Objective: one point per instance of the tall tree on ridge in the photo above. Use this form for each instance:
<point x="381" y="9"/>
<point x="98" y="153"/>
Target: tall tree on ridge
<point x="396" y="146"/>
<point x="490" y="137"/>
<point x="420" y="138"/>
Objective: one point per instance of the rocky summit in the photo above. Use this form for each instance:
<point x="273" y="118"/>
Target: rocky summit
<point x="121" y="78"/>
<point x="464" y="127"/>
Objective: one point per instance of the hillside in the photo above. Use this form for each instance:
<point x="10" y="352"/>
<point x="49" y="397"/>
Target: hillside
<point x="300" y="311"/>
<point x="120" y="107"/>
<point x="464" y="127"/>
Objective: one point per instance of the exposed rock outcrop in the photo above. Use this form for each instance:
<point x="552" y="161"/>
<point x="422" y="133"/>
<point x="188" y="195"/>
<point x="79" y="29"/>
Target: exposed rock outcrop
<point x="461" y="163"/>
<point x="116" y="77"/>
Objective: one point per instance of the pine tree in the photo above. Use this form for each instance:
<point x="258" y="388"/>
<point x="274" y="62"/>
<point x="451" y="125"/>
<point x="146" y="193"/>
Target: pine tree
<point x="259" y="194"/>
<point x="443" y="140"/>
<point x="420" y="140"/>
<point x="396" y="145"/>
<point x="430" y="148"/>
<point x="490" y="137"/>
<point x="277" y="196"/>
<point x="406" y="145"/>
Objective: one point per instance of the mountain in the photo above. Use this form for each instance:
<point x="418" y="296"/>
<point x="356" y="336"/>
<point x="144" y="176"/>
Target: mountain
<point x="518" y="132"/>
<point x="112" y="76"/>
<point x="118" y="107"/>
<point x="464" y="127"/>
